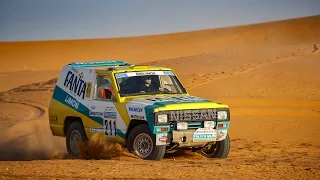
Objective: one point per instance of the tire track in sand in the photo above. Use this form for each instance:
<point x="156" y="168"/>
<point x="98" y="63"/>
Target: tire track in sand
<point x="35" y="110"/>
<point x="247" y="70"/>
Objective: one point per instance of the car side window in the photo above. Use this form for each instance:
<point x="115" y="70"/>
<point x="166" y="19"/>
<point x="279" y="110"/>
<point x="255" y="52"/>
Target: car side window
<point x="103" y="88"/>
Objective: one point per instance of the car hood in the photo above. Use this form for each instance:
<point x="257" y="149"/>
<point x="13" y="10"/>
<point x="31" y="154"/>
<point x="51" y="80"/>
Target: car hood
<point x="164" y="103"/>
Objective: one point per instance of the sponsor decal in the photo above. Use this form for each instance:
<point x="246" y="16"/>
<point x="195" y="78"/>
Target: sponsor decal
<point x="135" y="109"/>
<point x="163" y="139"/>
<point x="88" y="89"/>
<point x="187" y="115"/>
<point x="72" y="102"/>
<point x="145" y="73"/>
<point x="97" y="129"/>
<point x="135" y="116"/>
<point x="74" y="70"/>
<point x="75" y="83"/>
<point x="112" y="115"/>
<point x="177" y="99"/>
<point x="121" y="75"/>
<point x="221" y="135"/>
<point x="184" y="97"/>
<point x="109" y="109"/>
<point x="53" y="118"/>
<point x="131" y="74"/>
<point x="157" y="98"/>
<point x="204" y="134"/>
<point x="95" y="113"/>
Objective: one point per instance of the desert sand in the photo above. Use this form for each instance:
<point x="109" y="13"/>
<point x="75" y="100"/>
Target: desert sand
<point x="268" y="73"/>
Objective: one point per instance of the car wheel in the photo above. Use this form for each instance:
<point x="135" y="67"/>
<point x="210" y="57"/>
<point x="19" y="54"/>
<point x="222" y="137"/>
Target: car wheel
<point x="75" y="135"/>
<point x="141" y="142"/>
<point x="219" y="149"/>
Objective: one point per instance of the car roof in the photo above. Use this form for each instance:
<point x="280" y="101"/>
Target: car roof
<point x="118" y="66"/>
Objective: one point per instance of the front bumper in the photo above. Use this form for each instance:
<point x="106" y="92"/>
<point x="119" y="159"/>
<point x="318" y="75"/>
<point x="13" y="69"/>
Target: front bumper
<point x="185" y="138"/>
<point x="192" y="137"/>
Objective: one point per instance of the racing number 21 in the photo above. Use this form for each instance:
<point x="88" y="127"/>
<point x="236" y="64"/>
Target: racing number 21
<point x="108" y="127"/>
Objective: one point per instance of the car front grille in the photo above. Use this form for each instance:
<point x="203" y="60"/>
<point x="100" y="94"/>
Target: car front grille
<point x="192" y="115"/>
<point x="191" y="125"/>
<point x="194" y="125"/>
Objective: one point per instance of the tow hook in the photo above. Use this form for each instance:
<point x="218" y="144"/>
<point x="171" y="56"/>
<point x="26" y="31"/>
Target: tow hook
<point x="183" y="139"/>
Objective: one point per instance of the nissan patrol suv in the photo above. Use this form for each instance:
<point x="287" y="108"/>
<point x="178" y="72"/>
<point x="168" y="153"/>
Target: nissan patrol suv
<point x="144" y="108"/>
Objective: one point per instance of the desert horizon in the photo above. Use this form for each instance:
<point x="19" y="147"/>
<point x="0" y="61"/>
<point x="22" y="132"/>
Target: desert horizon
<point x="268" y="74"/>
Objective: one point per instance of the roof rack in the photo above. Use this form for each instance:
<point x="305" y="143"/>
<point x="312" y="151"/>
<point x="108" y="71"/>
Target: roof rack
<point x="99" y="63"/>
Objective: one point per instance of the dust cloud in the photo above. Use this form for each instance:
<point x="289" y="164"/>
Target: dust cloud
<point x="98" y="148"/>
<point x="31" y="140"/>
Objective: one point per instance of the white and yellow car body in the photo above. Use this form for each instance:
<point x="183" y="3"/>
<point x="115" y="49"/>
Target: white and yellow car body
<point x="175" y="119"/>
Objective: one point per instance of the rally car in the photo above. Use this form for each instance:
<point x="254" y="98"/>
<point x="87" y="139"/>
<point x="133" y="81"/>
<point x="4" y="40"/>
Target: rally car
<point x="144" y="108"/>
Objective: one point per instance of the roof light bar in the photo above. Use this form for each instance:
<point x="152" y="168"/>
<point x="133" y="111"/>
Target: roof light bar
<point x="98" y="63"/>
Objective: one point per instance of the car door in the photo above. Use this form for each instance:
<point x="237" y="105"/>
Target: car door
<point x="102" y="107"/>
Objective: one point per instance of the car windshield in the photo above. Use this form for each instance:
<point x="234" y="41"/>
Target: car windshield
<point x="148" y="83"/>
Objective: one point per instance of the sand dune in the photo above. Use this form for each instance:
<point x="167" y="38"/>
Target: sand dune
<point x="10" y="80"/>
<point x="267" y="73"/>
<point x="15" y="56"/>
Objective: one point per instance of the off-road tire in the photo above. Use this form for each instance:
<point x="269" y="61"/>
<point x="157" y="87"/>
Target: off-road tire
<point x="75" y="127"/>
<point x="157" y="152"/>
<point x="221" y="151"/>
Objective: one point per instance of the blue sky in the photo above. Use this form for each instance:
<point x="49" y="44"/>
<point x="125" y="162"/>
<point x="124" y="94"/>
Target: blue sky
<point x="24" y="20"/>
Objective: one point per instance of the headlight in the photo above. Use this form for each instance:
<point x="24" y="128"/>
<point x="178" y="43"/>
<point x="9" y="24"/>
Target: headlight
<point x="208" y="124"/>
<point x="222" y="115"/>
<point x="162" y="118"/>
